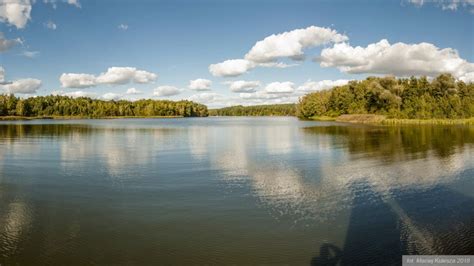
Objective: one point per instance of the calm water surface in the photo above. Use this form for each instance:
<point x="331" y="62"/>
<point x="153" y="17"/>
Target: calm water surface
<point x="232" y="191"/>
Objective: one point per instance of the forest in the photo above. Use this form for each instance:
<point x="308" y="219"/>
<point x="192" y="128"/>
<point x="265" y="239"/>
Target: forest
<point x="403" y="98"/>
<point x="46" y="106"/>
<point x="256" y="110"/>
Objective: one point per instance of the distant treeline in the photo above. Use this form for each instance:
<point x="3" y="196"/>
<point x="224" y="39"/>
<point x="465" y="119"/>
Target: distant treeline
<point x="256" y="110"/>
<point x="443" y="97"/>
<point x="86" y="107"/>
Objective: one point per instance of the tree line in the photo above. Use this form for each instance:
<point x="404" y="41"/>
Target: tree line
<point x="256" y="110"/>
<point x="406" y="98"/>
<point x="52" y="105"/>
<point x="412" y="98"/>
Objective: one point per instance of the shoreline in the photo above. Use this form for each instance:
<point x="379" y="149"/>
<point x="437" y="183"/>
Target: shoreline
<point x="353" y="119"/>
<point x="27" y="118"/>
<point x="383" y="120"/>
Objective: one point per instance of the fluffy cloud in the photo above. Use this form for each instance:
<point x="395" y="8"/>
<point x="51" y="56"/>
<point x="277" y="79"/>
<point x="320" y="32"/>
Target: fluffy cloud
<point x="284" y="45"/>
<point x="15" y="12"/>
<point x="206" y="97"/>
<point x="133" y="91"/>
<point x="50" y="25"/>
<point x="26" y="86"/>
<point x="309" y="86"/>
<point x="446" y="4"/>
<point x="72" y="80"/>
<point x="260" y="95"/>
<point x="280" y="87"/>
<point x="263" y="97"/>
<point x="291" y="44"/>
<point x="165" y="91"/>
<point x="237" y="67"/>
<point x="398" y="59"/>
<point x="18" y="12"/>
<point x="231" y="68"/>
<point x="243" y="86"/>
<point x="215" y="100"/>
<point x="284" y="92"/>
<point x="124" y="75"/>
<point x="113" y="76"/>
<point x="6" y="44"/>
<point x="200" y="84"/>
<point x="468" y="77"/>
<point x="274" y="92"/>
<point x="111" y="96"/>
<point x="76" y="94"/>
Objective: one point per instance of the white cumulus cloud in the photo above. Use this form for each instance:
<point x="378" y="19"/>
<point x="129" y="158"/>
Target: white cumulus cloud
<point x="15" y="12"/>
<point x="280" y="87"/>
<point x="133" y="91"/>
<point x="113" y="76"/>
<point x="321" y="85"/>
<point x="292" y="43"/>
<point x="261" y="95"/>
<point x="206" y="97"/>
<point x="124" y="75"/>
<point x="267" y="52"/>
<point x="243" y="85"/>
<point x="165" y="91"/>
<point x="399" y="59"/>
<point x="75" y="94"/>
<point x="25" y="86"/>
<point x="73" y="80"/>
<point x="111" y="96"/>
<point x="231" y="68"/>
<point x="200" y="84"/>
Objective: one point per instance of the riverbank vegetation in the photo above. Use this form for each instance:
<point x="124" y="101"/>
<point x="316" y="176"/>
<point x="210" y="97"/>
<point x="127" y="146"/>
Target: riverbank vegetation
<point x="12" y="107"/>
<point x="256" y="110"/>
<point x="393" y="100"/>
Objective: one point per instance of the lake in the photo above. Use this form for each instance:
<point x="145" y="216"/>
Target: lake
<point x="228" y="190"/>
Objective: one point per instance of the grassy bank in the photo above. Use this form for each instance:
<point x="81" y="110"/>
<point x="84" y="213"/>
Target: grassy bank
<point x="12" y="118"/>
<point x="380" y="119"/>
<point x="463" y="121"/>
<point x="323" y="118"/>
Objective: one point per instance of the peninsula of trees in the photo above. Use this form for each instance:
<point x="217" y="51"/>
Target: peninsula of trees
<point x="404" y="98"/>
<point x="62" y="106"/>
<point x="256" y="110"/>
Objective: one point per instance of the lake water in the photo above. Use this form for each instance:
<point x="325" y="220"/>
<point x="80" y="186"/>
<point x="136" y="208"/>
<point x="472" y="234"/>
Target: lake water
<point x="232" y="191"/>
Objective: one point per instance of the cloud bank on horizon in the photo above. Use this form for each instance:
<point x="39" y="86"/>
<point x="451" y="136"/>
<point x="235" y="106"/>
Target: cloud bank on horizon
<point x="224" y="82"/>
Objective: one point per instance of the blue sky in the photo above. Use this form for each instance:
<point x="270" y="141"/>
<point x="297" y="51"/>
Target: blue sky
<point x="178" y="40"/>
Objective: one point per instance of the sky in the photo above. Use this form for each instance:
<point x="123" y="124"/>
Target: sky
<point x="226" y="52"/>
